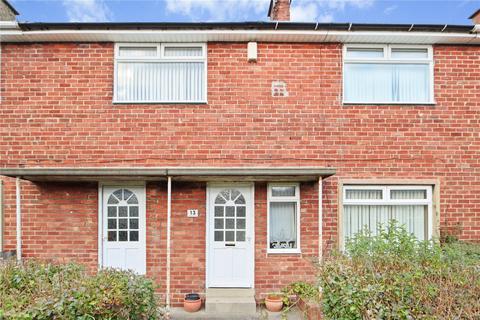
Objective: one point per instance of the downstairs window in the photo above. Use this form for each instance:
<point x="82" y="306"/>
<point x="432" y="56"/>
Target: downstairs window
<point x="283" y="218"/>
<point x="369" y="206"/>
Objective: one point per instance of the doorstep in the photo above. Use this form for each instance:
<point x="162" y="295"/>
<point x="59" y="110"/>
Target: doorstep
<point x="233" y="301"/>
<point x="262" y="314"/>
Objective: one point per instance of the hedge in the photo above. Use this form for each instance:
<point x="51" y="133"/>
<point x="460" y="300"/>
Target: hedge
<point x="391" y="275"/>
<point x="37" y="290"/>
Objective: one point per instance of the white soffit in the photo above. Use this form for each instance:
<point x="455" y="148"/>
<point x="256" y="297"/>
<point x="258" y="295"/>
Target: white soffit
<point x="238" y="36"/>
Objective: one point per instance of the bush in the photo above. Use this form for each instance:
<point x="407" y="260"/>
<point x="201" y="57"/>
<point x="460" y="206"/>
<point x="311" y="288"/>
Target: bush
<point x="304" y="294"/>
<point x="394" y="276"/>
<point x="37" y="290"/>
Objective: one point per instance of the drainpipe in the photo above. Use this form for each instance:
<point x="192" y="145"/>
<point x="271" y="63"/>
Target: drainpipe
<point x="320" y="219"/>
<point x="169" y="222"/>
<point x="19" y="221"/>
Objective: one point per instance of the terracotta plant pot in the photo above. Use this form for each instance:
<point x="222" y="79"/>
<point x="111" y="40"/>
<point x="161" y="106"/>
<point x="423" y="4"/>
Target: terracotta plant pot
<point x="192" y="302"/>
<point x="274" y="303"/>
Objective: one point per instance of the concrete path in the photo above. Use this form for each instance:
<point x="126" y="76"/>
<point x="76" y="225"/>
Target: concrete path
<point x="262" y="314"/>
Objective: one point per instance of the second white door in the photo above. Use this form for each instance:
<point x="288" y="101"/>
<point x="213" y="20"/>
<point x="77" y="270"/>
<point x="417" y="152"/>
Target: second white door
<point x="230" y="260"/>
<point x="124" y="238"/>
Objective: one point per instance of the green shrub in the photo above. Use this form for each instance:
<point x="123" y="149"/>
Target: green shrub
<point x="36" y="290"/>
<point x="302" y="291"/>
<point x="394" y="276"/>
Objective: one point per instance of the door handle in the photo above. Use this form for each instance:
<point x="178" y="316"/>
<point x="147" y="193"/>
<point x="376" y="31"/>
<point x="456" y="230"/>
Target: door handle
<point x="229" y="244"/>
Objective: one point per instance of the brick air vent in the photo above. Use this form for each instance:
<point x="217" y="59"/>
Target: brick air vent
<point x="279" y="89"/>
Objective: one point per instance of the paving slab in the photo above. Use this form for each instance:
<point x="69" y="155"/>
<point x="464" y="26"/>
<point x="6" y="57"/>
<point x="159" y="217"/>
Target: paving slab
<point x="262" y="314"/>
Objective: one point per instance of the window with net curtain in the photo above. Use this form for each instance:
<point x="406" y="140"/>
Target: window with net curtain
<point x="160" y="73"/>
<point x="374" y="206"/>
<point x="283" y="218"/>
<point x="387" y="75"/>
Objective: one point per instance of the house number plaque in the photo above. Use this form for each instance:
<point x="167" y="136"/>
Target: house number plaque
<point x="192" y="213"/>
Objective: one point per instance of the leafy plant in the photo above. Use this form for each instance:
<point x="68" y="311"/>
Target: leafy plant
<point x="300" y="291"/>
<point x="38" y="290"/>
<point x="391" y="275"/>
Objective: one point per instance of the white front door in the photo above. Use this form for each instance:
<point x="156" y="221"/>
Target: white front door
<point x="230" y="251"/>
<point x="123" y="219"/>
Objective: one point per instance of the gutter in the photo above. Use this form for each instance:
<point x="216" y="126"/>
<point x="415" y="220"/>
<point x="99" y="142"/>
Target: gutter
<point x="279" y="35"/>
<point x="275" y="31"/>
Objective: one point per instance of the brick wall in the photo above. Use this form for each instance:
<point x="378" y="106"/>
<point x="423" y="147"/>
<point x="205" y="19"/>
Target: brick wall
<point x="57" y="111"/>
<point x="188" y="240"/>
<point x="156" y="215"/>
<point x="59" y="221"/>
<point x="274" y="271"/>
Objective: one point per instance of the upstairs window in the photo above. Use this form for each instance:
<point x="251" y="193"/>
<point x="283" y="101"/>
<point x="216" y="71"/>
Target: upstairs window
<point x="388" y="74"/>
<point x="160" y="73"/>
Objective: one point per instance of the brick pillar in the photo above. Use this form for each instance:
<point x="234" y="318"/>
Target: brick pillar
<point x="279" y="10"/>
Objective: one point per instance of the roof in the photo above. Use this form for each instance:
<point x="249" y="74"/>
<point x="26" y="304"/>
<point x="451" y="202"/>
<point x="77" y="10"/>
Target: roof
<point x="177" y="173"/>
<point x="11" y="7"/>
<point x="253" y="25"/>
<point x="277" y="31"/>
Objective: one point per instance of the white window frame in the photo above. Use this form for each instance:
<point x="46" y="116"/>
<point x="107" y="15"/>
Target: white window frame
<point x="160" y="57"/>
<point x="296" y="199"/>
<point x="386" y="200"/>
<point x="387" y="59"/>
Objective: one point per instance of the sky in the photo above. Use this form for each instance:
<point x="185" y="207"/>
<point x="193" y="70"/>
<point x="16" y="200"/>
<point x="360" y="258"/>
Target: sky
<point x="359" y="11"/>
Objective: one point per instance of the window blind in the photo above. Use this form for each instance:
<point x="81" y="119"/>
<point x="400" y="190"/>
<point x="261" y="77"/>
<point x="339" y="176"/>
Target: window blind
<point x="171" y="74"/>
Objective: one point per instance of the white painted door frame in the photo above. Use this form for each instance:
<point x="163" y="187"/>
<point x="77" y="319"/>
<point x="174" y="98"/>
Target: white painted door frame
<point x="250" y="234"/>
<point x="102" y="236"/>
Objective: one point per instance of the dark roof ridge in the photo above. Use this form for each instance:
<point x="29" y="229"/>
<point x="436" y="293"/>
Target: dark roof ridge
<point x="11" y="7"/>
<point x="474" y="14"/>
<point x="261" y="25"/>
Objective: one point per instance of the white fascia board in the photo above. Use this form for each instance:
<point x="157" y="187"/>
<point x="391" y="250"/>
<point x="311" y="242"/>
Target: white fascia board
<point x="239" y="35"/>
<point x="8" y="25"/>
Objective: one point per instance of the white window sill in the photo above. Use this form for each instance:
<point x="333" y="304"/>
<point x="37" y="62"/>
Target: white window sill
<point x="160" y="102"/>
<point x="284" y="251"/>
<point x="347" y="103"/>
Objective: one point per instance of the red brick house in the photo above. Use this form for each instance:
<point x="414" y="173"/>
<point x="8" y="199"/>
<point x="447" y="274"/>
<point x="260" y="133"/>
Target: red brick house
<point x="233" y="155"/>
